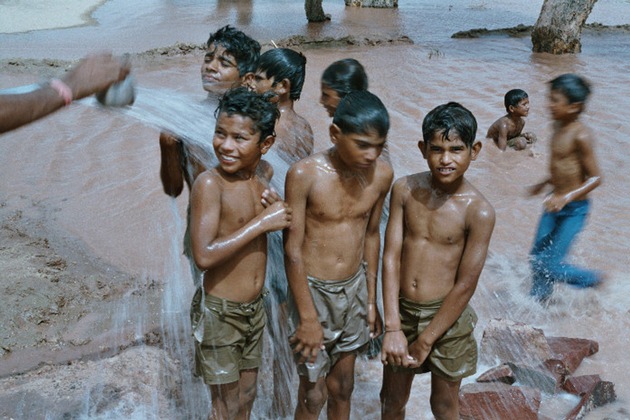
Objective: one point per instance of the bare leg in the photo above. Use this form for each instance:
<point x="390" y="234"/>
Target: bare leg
<point x="311" y="398"/>
<point x="395" y="393"/>
<point x="444" y="398"/>
<point x="340" y="384"/>
<point x="282" y="367"/>
<point x="247" y="393"/>
<point x="225" y="401"/>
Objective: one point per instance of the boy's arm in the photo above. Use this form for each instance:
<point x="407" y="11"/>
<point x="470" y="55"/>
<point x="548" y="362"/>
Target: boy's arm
<point x="171" y="164"/>
<point x="372" y="248"/>
<point x="592" y="176"/>
<point x="210" y="250"/>
<point x="309" y="336"/>
<point x="480" y="223"/>
<point x="502" y="135"/>
<point x="394" y="350"/>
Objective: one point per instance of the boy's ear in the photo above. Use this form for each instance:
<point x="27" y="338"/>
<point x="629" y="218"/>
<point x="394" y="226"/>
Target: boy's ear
<point x="334" y="133"/>
<point x="266" y="144"/>
<point x="421" y="145"/>
<point x="576" y="107"/>
<point x="283" y="87"/>
<point x="510" y="109"/>
<point x="248" y="81"/>
<point x="475" y="149"/>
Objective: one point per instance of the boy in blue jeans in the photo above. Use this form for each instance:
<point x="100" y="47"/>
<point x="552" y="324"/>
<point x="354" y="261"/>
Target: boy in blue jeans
<point x="574" y="174"/>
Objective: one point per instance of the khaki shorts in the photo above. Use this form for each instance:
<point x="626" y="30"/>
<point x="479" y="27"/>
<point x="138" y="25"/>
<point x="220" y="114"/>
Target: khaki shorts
<point x="228" y="336"/>
<point x="454" y="355"/>
<point x="342" y="311"/>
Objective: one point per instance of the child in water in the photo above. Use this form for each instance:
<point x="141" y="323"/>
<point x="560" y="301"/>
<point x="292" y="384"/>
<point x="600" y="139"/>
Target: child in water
<point x="436" y="244"/>
<point x="231" y="211"/>
<point x="507" y="130"/>
<point x="574" y="173"/>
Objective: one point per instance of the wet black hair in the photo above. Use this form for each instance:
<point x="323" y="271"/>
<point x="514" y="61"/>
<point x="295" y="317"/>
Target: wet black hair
<point x="257" y="107"/>
<point x="362" y="112"/>
<point x="575" y="88"/>
<point x="345" y="76"/>
<point x="284" y="63"/>
<point x="513" y="97"/>
<point x="245" y="50"/>
<point x="447" y="117"/>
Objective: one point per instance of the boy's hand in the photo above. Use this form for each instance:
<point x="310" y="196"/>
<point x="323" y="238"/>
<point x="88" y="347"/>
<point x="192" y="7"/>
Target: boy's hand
<point x="270" y="196"/>
<point x="418" y="350"/>
<point x="394" y="351"/>
<point x="277" y="216"/>
<point x="555" y="202"/>
<point x="375" y="321"/>
<point x="308" y="340"/>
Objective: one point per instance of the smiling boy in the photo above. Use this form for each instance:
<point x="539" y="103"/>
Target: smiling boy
<point x="231" y="212"/>
<point x="436" y="243"/>
<point x="507" y="130"/>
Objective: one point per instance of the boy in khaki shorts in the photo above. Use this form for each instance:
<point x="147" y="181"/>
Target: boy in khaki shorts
<point x="332" y="251"/>
<point x="231" y="212"/>
<point x="436" y="243"/>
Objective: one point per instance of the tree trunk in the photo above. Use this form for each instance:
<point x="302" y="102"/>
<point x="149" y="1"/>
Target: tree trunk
<point x="559" y="26"/>
<point x="372" y="3"/>
<point x="314" y="11"/>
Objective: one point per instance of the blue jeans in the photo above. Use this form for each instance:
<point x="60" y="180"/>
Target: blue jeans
<point x="556" y="232"/>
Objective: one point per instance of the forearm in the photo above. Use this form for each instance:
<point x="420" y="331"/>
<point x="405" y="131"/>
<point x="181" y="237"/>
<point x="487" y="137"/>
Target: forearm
<point x="170" y="165"/>
<point x="298" y="284"/>
<point x="370" y="255"/>
<point x="17" y="110"/>
<point x="452" y="307"/>
<point x="391" y="293"/>
<point x="583" y="189"/>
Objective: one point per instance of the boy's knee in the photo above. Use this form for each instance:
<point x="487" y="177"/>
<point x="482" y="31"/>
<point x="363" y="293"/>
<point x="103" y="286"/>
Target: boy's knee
<point x="392" y="405"/>
<point x="445" y="407"/>
<point x="313" y="399"/>
<point x="340" y="388"/>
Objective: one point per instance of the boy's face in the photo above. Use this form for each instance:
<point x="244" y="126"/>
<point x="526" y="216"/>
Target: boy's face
<point x="329" y="99"/>
<point x="357" y="151"/>
<point x="559" y="106"/>
<point x="237" y="143"/>
<point x="449" y="159"/>
<point x="521" y="109"/>
<point x="260" y="83"/>
<point x="219" y="71"/>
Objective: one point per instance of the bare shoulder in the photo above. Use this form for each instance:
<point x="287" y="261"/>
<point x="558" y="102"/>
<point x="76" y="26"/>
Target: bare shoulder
<point x="583" y="134"/>
<point x="479" y="209"/>
<point x="384" y="172"/>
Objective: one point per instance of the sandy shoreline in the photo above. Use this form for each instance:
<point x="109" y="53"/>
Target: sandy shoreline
<point x="33" y="15"/>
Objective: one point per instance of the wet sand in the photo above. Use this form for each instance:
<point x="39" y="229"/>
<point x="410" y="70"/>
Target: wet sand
<point x="88" y="238"/>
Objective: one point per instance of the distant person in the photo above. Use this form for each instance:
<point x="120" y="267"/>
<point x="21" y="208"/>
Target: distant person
<point x="507" y="131"/>
<point x="436" y="244"/>
<point x="574" y="173"/>
<point x="232" y="209"/>
<point x="282" y="70"/>
<point x="339" y="79"/>
<point x="230" y="55"/>
<point x="94" y="73"/>
<point x="332" y="254"/>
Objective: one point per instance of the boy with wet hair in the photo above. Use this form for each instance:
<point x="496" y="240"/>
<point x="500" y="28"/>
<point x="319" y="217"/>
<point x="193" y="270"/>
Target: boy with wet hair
<point x="436" y="243"/>
<point x="232" y="209"/>
<point x="332" y="251"/>
<point x="507" y="130"/>
<point x="282" y="70"/>
<point x="230" y="55"/>
<point x="574" y="173"/>
<point x="339" y="79"/>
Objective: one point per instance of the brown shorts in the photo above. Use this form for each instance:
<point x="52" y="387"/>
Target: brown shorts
<point x="342" y="311"/>
<point x="454" y="355"/>
<point x="228" y="336"/>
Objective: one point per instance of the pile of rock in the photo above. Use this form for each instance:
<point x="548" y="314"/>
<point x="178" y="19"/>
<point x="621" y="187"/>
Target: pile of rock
<point x="528" y="364"/>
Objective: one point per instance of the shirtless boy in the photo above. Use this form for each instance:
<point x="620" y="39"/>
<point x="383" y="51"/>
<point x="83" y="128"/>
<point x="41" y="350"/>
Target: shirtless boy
<point x="436" y="243"/>
<point x="231" y="212"/>
<point x="230" y="55"/>
<point x="282" y="70"/>
<point x="574" y="173"/>
<point x="507" y="130"/>
<point x="332" y="251"/>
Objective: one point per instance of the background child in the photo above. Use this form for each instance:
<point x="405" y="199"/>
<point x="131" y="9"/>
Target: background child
<point x="332" y="252"/>
<point x="228" y="227"/>
<point x="507" y="130"/>
<point x="435" y="248"/>
<point x="282" y="71"/>
<point x="574" y="173"/>
<point x="230" y="55"/>
<point x="339" y="79"/>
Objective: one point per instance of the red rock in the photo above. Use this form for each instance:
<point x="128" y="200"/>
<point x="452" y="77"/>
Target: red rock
<point x="571" y="351"/>
<point x="537" y="377"/>
<point x="506" y="341"/>
<point x="580" y="385"/>
<point x="602" y="393"/>
<point x="502" y="373"/>
<point x="481" y="401"/>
